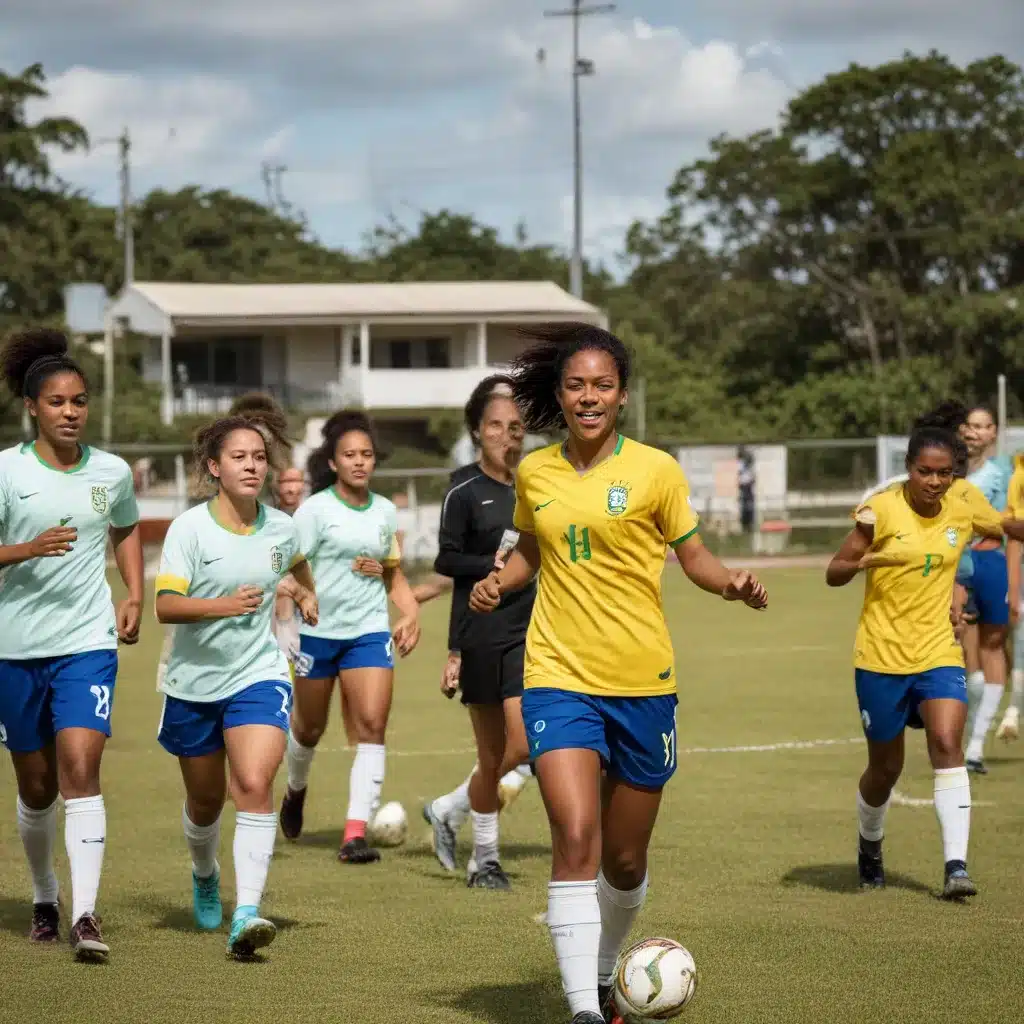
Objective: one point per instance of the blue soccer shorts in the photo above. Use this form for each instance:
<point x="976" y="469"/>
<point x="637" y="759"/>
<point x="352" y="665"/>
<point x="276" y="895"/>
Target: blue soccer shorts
<point x="990" y="587"/>
<point x="889" y="703"/>
<point x="41" y="696"/>
<point x="321" y="658"/>
<point x="635" y="737"/>
<point x="192" y="728"/>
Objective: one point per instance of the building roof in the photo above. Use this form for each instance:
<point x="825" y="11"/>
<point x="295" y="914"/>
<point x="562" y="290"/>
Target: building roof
<point x="197" y="303"/>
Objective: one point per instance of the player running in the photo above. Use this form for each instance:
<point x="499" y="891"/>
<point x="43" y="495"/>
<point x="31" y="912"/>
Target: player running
<point x="59" y="502"/>
<point x="985" y="643"/>
<point x="348" y="534"/>
<point x="909" y="667"/>
<point x="485" y="657"/>
<point x="596" y="516"/>
<point x="227" y="690"/>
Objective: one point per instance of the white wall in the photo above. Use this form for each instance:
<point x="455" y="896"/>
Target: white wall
<point x="312" y="357"/>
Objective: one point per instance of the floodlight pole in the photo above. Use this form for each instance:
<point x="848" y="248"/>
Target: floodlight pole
<point x="580" y="69"/>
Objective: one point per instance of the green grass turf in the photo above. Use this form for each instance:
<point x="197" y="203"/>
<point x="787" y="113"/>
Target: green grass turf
<point x="751" y="865"/>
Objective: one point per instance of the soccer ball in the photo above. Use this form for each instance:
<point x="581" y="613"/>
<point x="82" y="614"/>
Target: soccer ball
<point x="654" y="980"/>
<point x="389" y="826"/>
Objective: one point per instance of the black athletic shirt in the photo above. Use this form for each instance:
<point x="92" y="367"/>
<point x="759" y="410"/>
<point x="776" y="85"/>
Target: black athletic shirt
<point x="476" y="512"/>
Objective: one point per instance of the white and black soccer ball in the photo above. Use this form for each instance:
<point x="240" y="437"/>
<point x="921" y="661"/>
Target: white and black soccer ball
<point x="390" y="825"/>
<point x="654" y="980"/>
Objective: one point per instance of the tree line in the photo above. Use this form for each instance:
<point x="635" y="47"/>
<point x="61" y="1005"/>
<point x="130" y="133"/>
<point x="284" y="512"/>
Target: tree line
<point x="831" y="277"/>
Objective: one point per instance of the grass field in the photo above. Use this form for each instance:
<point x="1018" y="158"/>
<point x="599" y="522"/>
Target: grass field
<point x="751" y="865"/>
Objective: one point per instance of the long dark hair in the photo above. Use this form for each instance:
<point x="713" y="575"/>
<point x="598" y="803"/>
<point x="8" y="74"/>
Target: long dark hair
<point x="318" y="465"/>
<point x="537" y="372"/>
<point x="496" y="384"/>
<point x="31" y="356"/>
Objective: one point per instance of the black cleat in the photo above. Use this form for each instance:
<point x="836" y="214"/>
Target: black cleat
<point x="358" y="851"/>
<point x="869" y="865"/>
<point x="291" y="813"/>
<point x="958" y="883"/>
<point x="87" y="942"/>
<point x="588" y="1017"/>
<point x="45" y="923"/>
<point x="605" y="998"/>
<point x="489" y="876"/>
<point x="976" y="766"/>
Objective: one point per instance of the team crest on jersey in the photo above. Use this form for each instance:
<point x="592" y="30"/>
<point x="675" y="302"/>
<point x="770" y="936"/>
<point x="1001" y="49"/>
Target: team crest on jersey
<point x="100" y="500"/>
<point x="618" y="495"/>
<point x="952" y="535"/>
<point x="276" y="559"/>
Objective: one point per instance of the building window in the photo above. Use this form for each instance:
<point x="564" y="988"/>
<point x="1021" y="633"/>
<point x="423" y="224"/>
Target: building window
<point x="401" y="355"/>
<point x="437" y="353"/>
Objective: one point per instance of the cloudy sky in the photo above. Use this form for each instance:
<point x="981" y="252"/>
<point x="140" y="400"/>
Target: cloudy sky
<point x="387" y="107"/>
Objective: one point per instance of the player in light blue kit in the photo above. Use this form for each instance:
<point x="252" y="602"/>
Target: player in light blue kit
<point x="985" y="644"/>
<point x="59" y="502"/>
<point x="349" y="535"/>
<point x="227" y="688"/>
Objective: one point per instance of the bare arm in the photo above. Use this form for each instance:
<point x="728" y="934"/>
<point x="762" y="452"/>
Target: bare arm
<point x="127" y="542"/>
<point x="522" y="565"/>
<point x="176" y="609"/>
<point x="1014" y="553"/>
<point x="433" y="588"/>
<point x="849" y="559"/>
<point x="407" y="629"/>
<point x="703" y="569"/>
<point x="52" y="543"/>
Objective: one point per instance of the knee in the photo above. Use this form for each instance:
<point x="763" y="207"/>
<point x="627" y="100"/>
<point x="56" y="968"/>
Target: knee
<point x="307" y="735"/>
<point x="372" y="729"/>
<point x="577" y="848"/>
<point x="251" y="790"/>
<point x="79" y="778"/>
<point x="945" y="750"/>
<point x="885" y="772"/>
<point x="993" y="639"/>
<point x="204" y="809"/>
<point x="625" y="869"/>
<point x="37" y="793"/>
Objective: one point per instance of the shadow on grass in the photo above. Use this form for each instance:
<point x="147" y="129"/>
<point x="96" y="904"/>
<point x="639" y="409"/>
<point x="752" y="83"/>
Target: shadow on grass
<point x="521" y="1002"/>
<point x="177" y="917"/>
<point x="843" y="878"/>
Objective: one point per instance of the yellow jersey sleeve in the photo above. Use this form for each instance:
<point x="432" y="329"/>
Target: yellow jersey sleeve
<point x="984" y="518"/>
<point x="673" y="513"/>
<point x="522" y="517"/>
<point x="1015" y="493"/>
<point x="394" y="555"/>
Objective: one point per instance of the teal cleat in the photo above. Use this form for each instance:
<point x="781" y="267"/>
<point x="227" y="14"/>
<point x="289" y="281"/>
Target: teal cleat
<point x="206" y="902"/>
<point x="249" y="932"/>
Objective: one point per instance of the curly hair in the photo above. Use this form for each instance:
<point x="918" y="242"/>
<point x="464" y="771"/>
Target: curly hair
<point x="208" y="442"/>
<point x="31" y="356"/>
<point x="261" y="407"/>
<point x="929" y="436"/>
<point x="318" y="465"/>
<point x="496" y="384"/>
<point x="537" y="372"/>
<point x="946" y="418"/>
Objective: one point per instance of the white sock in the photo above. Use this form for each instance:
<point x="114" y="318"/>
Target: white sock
<point x="253" y="850"/>
<point x="618" y="912"/>
<point x="526" y="771"/>
<point x="454" y="806"/>
<point x="871" y="820"/>
<point x="574" y="920"/>
<point x="38" y="831"/>
<point x="203" y="841"/>
<point x="299" y="760"/>
<point x="85" y="838"/>
<point x="975" y="690"/>
<point x="953" y="809"/>
<point x="1017" y="689"/>
<point x="987" y="709"/>
<point x="485" y="837"/>
<point x="365" y="782"/>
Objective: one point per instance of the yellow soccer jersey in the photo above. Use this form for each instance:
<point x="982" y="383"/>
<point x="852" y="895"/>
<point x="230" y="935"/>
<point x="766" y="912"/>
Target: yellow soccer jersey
<point x="904" y="622"/>
<point x="1015" y="491"/>
<point x="597" y="625"/>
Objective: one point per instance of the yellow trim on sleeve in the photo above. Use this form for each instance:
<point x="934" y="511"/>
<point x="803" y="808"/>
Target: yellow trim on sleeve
<point x="394" y="556"/>
<point x="298" y="559"/>
<point x="168" y="584"/>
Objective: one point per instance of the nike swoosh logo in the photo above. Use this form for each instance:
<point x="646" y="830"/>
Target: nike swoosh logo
<point x="489" y="501"/>
<point x="24" y="496"/>
<point x="545" y="505"/>
<point x="210" y="561"/>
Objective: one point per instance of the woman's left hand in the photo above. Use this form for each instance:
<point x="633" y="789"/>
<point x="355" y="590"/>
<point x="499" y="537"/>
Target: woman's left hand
<point x="129" y="618"/>
<point x="365" y="566"/>
<point x="309" y="607"/>
<point x="407" y="634"/>
<point x="745" y="586"/>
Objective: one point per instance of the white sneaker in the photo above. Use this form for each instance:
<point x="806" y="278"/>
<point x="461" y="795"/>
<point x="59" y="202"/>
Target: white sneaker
<point x="1009" y="727"/>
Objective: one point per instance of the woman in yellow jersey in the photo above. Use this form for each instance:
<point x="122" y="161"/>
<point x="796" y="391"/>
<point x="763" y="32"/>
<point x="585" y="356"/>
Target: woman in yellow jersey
<point x="1009" y="727"/>
<point x="596" y="516"/>
<point x="909" y="667"/>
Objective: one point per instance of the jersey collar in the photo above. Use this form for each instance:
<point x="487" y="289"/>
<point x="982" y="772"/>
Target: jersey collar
<point x="83" y="458"/>
<point x="261" y="518"/>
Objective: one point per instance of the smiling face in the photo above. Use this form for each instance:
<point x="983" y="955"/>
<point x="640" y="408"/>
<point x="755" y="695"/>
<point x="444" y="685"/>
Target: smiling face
<point x="591" y="394"/>
<point x="931" y="475"/>
<point x="354" y="460"/>
<point x="241" y="467"/>
<point x="62" y="409"/>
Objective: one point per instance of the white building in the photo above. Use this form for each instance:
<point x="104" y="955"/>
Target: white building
<point x="388" y="348"/>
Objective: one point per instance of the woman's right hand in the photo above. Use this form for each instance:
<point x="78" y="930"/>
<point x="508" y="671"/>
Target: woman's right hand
<point x="366" y="566"/>
<point x="485" y="595"/>
<point x="450" y="675"/>
<point x="53" y="543"/>
<point x="244" y="601"/>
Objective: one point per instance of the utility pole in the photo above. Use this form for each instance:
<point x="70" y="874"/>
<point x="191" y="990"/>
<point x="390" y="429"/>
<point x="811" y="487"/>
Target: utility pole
<point x="581" y="68"/>
<point x="124" y="146"/>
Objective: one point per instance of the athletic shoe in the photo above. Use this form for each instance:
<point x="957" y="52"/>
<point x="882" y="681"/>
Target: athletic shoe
<point x="977" y="766"/>
<point x="358" y="851"/>
<point x="490" y="876"/>
<point x="443" y="836"/>
<point x="1009" y="727"/>
<point x="588" y="1017"/>
<point x="611" y="1014"/>
<point x="45" y="923"/>
<point x="86" y="940"/>
<point x="291" y="813"/>
<point x="206" y="906"/>
<point x="249" y="932"/>
<point x="958" y="883"/>
<point x="870" y="869"/>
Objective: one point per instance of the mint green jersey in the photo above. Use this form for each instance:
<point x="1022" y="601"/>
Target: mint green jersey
<point x="217" y="658"/>
<point x="53" y="607"/>
<point x="333" y="534"/>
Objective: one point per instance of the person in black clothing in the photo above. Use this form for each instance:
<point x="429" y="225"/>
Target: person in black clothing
<point x="485" y="655"/>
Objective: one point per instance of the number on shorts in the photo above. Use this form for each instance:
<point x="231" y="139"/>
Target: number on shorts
<point x="668" y="740"/>
<point x="102" y="695"/>
<point x="931" y="562"/>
